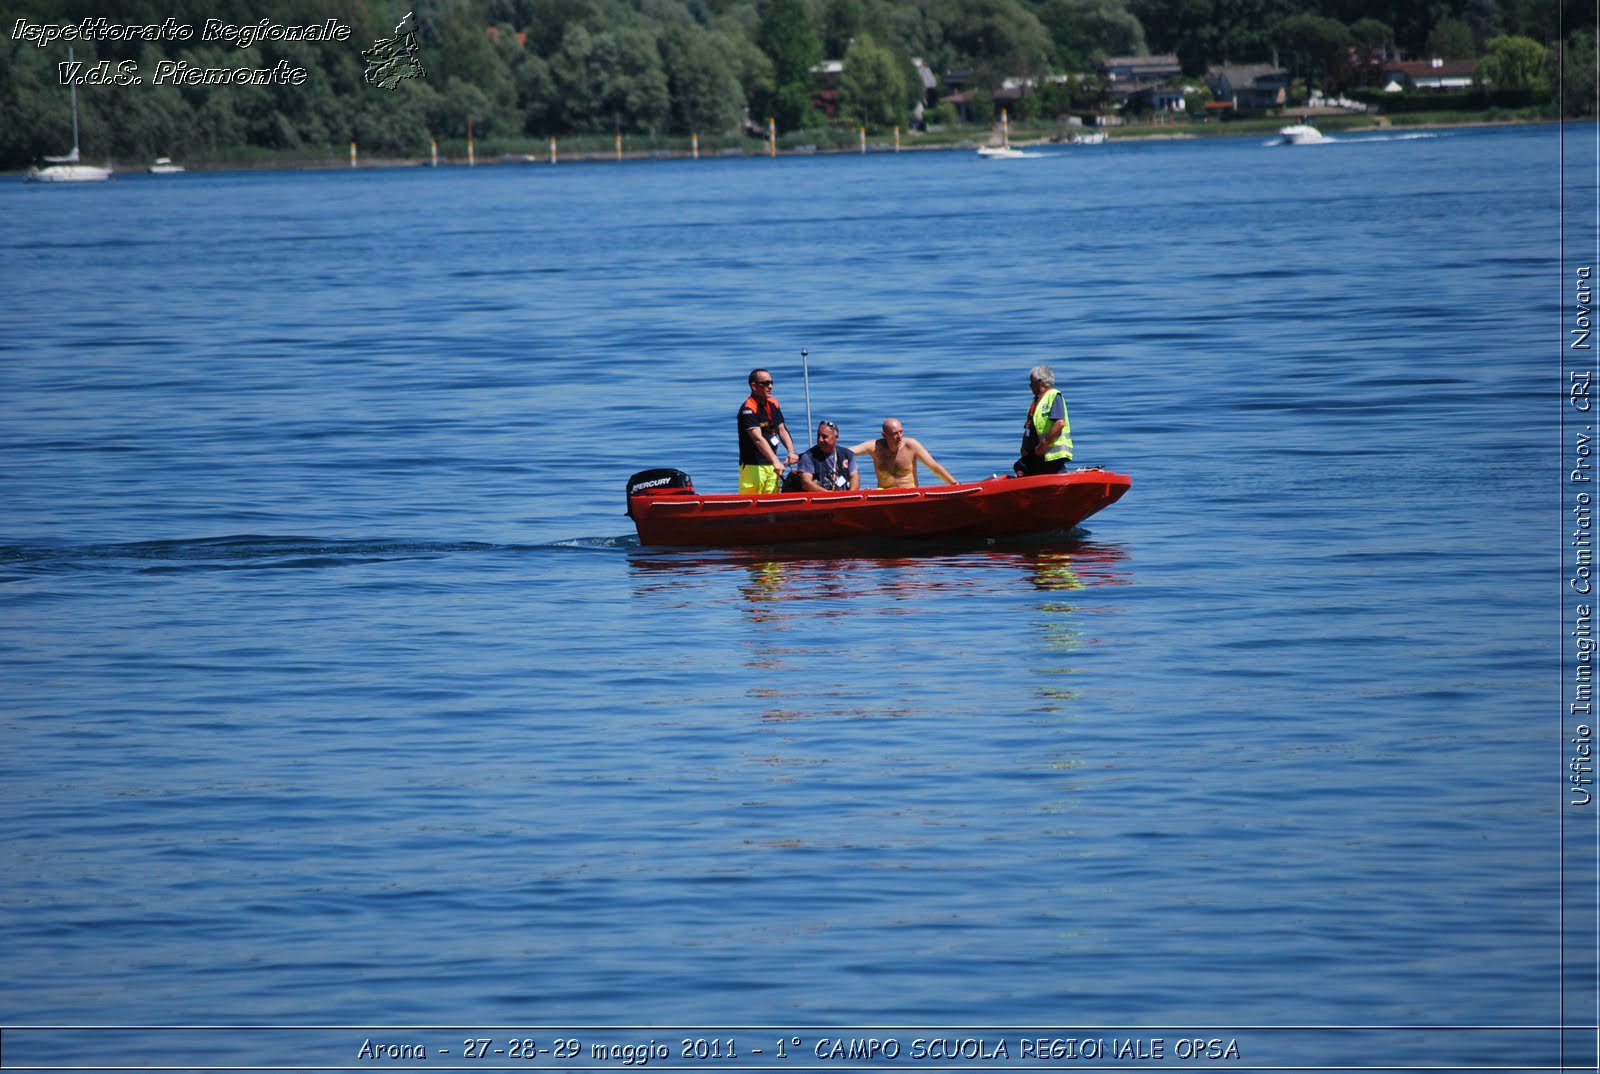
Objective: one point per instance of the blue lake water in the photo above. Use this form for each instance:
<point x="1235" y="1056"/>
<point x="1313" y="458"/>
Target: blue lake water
<point x="339" y="692"/>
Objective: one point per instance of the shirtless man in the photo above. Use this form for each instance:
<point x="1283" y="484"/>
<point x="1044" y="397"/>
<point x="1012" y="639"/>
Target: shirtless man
<point x="895" y="455"/>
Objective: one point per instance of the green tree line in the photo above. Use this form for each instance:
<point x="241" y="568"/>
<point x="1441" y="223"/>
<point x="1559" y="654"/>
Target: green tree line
<point x="534" y="69"/>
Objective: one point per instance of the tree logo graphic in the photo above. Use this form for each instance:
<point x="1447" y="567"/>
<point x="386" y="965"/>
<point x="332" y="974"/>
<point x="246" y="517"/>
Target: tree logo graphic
<point x="391" y="60"/>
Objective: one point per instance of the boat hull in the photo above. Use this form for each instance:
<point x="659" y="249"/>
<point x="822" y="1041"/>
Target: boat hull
<point x="998" y="507"/>
<point x="1301" y="134"/>
<point x="69" y="173"/>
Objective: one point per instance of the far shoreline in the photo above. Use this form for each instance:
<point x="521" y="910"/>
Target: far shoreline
<point x="1349" y="123"/>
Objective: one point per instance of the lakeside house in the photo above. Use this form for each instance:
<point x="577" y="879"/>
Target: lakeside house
<point x="1144" y="83"/>
<point x="1141" y="70"/>
<point x="1249" y="87"/>
<point x="825" y="79"/>
<point x="1148" y="97"/>
<point x="827" y="76"/>
<point x="928" y="81"/>
<point x="965" y="101"/>
<point x="1435" y="75"/>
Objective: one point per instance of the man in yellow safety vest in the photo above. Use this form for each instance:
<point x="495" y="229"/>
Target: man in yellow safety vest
<point x="1046" y="434"/>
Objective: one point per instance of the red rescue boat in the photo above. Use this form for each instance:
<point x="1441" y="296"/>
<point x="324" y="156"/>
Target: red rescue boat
<point x="666" y="509"/>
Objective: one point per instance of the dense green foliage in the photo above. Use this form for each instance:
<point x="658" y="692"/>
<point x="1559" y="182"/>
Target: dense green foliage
<point x="876" y="90"/>
<point x="520" y="71"/>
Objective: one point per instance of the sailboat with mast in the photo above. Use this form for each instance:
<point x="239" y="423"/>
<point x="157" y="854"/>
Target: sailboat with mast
<point x="1004" y="150"/>
<point x="67" y="169"/>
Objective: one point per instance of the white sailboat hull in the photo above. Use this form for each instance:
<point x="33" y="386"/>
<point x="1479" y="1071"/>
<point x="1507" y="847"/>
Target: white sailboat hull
<point x="68" y="173"/>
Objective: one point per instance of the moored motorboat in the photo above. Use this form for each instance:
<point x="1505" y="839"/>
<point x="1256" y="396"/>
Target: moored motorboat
<point x="666" y="510"/>
<point x="164" y="166"/>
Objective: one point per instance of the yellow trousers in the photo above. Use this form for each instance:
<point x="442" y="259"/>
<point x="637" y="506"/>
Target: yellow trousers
<point x="758" y="480"/>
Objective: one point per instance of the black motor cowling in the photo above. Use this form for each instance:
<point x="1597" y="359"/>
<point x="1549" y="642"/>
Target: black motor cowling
<point x="660" y="478"/>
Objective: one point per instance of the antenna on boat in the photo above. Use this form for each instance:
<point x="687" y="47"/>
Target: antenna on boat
<point x="806" y="372"/>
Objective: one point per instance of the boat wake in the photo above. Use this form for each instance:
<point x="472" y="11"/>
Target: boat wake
<point x="626" y="540"/>
<point x="1357" y="139"/>
<point x="252" y="552"/>
<point x="1408" y="136"/>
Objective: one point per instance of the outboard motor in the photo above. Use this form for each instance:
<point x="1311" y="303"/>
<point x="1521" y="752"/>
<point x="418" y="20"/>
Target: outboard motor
<point x="661" y="478"/>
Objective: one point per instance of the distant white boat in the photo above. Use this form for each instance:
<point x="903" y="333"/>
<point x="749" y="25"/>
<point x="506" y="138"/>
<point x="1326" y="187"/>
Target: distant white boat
<point x="1301" y="134"/>
<point x="67" y="169"/>
<point x="1003" y="151"/>
<point x="164" y="166"/>
<point x="1089" y="138"/>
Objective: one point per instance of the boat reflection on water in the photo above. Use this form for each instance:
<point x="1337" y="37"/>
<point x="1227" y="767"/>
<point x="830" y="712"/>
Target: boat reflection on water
<point x="866" y="601"/>
<point x="859" y="569"/>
